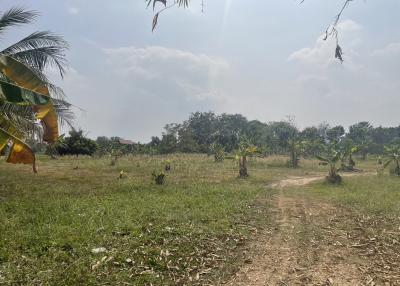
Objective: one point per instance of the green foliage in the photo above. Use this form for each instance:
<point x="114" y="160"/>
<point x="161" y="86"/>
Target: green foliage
<point x="77" y="144"/>
<point x="52" y="149"/>
<point x="115" y="154"/>
<point x="360" y="133"/>
<point x="392" y="154"/>
<point x="245" y="149"/>
<point x="158" y="177"/>
<point x="219" y="152"/>
<point x="348" y="149"/>
<point x="331" y="157"/>
<point x="202" y="129"/>
<point x="335" y="134"/>
<point x="296" y="149"/>
<point x="167" y="165"/>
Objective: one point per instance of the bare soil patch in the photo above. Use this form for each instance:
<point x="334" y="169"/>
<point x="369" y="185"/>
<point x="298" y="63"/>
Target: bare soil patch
<point x="312" y="242"/>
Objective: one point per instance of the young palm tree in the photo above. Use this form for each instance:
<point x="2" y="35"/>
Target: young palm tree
<point x="26" y="95"/>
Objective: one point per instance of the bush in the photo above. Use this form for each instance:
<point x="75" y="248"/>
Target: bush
<point x="77" y="144"/>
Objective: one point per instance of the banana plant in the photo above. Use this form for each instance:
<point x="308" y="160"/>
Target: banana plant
<point x="219" y="152"/>
<point x="245" y="149"/>
<point x="25" y="99"/>
<point x="392" y="154"/>
<point x="347" y="161"/>
<point x="21" y="87"/>
<point x="332" y="157"/>
<point x="296" y="149"/>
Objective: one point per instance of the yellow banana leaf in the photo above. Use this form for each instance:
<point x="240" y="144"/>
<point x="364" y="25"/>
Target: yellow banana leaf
<point x="48" y="117"/>
<point x="25" y="78"/>
<point x="20" y="152"/>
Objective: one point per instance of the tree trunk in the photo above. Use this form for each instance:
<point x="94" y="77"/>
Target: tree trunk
<point x="243" y="167"/>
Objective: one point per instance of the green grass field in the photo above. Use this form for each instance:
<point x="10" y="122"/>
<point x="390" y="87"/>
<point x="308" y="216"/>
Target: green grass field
<point x="189" y="231"/>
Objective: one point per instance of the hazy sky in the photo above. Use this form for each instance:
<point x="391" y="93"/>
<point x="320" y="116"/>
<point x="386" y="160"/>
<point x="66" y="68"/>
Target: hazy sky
<point x="264" y="59"/>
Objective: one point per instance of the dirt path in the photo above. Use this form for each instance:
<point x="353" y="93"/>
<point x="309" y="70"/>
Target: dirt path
<point x="310" y="243"/>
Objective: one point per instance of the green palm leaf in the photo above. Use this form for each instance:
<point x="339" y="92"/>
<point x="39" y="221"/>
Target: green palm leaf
<point x="16" y="16"/>
<point x="39" y="50"/>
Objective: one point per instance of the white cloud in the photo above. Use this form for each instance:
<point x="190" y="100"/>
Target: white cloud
<point x="193" y="76"/>
<point x="134" y="92"/>
<point x="322" y="54"/>
<point x="390" y="49"/>
<point x="73" y="10"/>
<point x="349" y="26"/>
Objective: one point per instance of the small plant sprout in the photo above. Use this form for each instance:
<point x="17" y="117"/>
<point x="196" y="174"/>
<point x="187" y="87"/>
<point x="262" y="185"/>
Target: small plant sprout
<point x="116" y="153"/>
<point x="123" y="175"/>
<point x="167" y="165"/>
<point x="158" y="177"/>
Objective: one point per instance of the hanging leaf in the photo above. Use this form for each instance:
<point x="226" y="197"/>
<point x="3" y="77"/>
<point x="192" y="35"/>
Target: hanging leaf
<point x="25" y="78"/>
<point x="339" y="53"/>
<point x="18" y="95"/>
<point x="155" y="20"/>
<point x="20" y="152"/>
<point x="48" y="117"/>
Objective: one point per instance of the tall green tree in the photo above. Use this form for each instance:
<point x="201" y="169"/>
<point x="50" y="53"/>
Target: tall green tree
<point x="360" y="133"/>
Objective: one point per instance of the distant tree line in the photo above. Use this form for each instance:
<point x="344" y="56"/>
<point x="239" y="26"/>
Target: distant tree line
<point x="203" y="130"/>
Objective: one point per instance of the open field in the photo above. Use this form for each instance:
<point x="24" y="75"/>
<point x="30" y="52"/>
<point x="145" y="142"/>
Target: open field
<point x="200" y="228"/>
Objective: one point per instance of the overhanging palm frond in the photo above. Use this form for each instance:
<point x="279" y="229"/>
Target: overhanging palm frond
<point x="16" y="16"/>
<point x="64" y="112"/>
<point x="21" y="117"/>
<point x="39" y="50"/>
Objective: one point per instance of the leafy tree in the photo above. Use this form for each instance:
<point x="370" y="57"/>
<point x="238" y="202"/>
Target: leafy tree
<point x="229" y="128"/>
<point x="53" y="148"/>
<point x="168" y="144"/>
<point x="77" y="144"/>
<point x="282" y="131"/>
<point x="202" y="126"/>
<point x="360" y="133"/>
<point x="186" y="141"/>
<point x="335" y="134"/>
<point x="26" y="95"/>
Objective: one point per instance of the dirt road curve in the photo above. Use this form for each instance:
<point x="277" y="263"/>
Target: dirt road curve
<point x="315" y="243"/>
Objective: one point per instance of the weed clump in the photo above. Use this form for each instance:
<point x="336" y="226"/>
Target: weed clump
<point x="167" y="166"/>
<point x="158" y="177"/>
